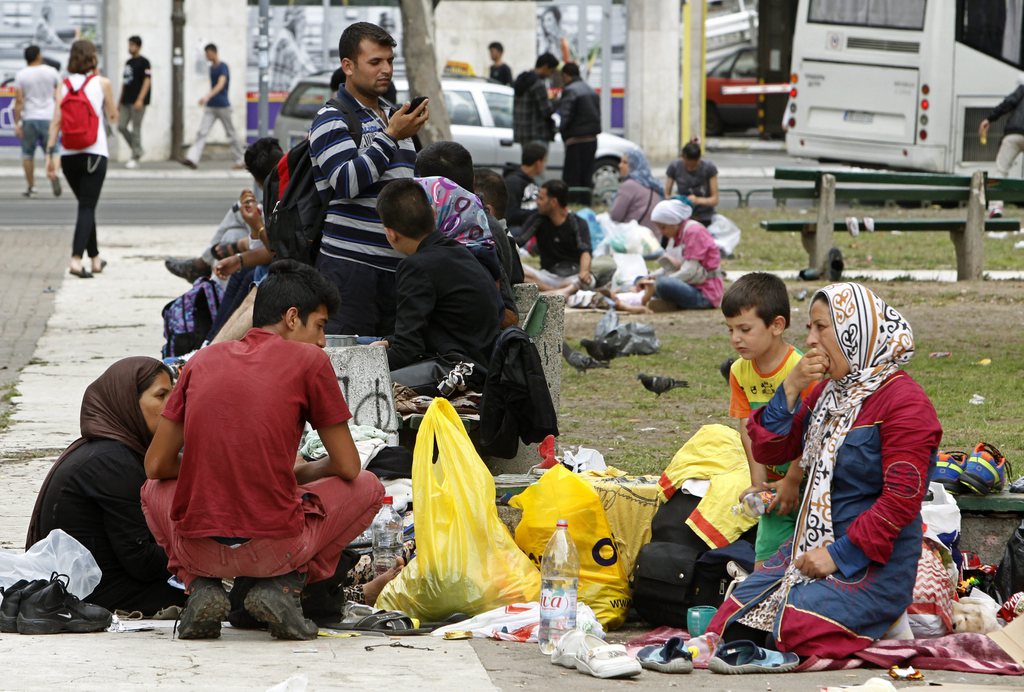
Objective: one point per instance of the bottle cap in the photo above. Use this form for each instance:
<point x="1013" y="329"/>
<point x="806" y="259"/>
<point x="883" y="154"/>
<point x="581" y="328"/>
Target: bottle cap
<point x="563" y="524"/>
<point x="388" y="500"/>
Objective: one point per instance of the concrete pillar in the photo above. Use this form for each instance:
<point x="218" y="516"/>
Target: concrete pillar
<point x="464" y="28"/>
<point x="970" y="244"/>
<point x="549" y="347"/>
<point x="652" y="77"/>
<point x="819" y="242"/>
<point x="366" y="383"/>
<point x="150" y="21"/>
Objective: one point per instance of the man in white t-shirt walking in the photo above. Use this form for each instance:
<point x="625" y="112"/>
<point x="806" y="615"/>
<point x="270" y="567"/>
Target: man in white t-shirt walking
<point x="34" y="99"/>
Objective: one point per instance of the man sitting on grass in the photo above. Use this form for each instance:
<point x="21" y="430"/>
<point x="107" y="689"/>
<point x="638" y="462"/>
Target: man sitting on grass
<point x="238" y="504"/>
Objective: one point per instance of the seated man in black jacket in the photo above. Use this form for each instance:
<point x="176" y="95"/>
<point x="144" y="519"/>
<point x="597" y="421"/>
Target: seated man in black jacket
<point x="522" y="188"/>
<point x="446" y="301"/>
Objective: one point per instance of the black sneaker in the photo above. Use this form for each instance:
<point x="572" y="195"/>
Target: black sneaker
<point x="277" y="602"/>
<point x="187" y="268"/>
<point x="206" y="608"/>
<point x="53" y="609"/>
<point x="13" y="596"/>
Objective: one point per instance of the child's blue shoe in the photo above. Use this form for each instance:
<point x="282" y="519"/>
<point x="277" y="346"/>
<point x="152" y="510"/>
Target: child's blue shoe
<point x="670" y="657"/>
<point x="948" y="469"/>
<point x="985" y="470"/>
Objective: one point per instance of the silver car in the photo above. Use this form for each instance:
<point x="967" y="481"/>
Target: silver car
<point x="481" y="117"/>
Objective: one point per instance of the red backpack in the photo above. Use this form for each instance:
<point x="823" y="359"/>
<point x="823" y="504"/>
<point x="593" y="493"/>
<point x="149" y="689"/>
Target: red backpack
<point x="79" y="124"/>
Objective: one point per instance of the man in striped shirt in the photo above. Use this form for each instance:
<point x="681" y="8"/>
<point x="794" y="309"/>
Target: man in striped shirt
<point x="354" y="252"/>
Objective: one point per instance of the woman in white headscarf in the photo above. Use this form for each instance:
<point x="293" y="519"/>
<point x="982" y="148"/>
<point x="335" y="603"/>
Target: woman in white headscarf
<point x="691" y="278"/>
<point x="866" y="437"/>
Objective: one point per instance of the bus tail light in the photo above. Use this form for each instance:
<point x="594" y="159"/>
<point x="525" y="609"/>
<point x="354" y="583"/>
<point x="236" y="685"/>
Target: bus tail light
<point x="792" y="93"/>
<point x="793" y="78"/>
<point x="923" y="135"/>
<point x="791" y="123"/>
<point x="924" y="104"/>
<point x="925" y="90"/>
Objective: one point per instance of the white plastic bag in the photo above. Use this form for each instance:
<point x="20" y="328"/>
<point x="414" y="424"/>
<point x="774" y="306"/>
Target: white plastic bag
<point x="725" y="232"/>
<point x="941" y="516"/>
<point x="58" y="552"/>
<point x="518" y="622"/>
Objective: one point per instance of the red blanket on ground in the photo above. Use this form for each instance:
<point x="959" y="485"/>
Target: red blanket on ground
<point x="963" y="653"/>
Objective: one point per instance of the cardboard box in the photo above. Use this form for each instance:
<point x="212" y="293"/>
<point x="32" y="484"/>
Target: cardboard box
<point x="1011" y="639"/>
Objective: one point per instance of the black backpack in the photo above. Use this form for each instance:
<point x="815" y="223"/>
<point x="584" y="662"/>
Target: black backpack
<point x="296" y="220"/>
<point x="677" y="570"/>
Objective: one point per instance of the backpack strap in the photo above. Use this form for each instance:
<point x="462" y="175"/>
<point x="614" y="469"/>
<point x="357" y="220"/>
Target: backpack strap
<point x="352" y="119"/>
<point x="67" y="83"/>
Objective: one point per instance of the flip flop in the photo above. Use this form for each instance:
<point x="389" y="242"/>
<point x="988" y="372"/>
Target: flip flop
<point x="384" y="621"/>
<point x="736" y="658"/>
<point x="103" y="265"/>
<point x="82" y="273"/>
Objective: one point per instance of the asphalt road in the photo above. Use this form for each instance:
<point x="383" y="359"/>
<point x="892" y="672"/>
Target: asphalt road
<point x="144" y="198"/>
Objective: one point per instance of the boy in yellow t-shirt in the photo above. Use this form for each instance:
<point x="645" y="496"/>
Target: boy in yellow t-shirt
<point x="756" y="309"/>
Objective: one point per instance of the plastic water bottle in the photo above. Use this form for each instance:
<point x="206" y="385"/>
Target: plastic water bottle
<point x="702" y="648"/>
<point x="387" y="537"/>
<point x="754" y="504"/>
<point x="559" y="583"/>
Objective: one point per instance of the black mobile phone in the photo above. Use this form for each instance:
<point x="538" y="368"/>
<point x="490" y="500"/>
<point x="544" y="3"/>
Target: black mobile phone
<point x="415" y="103"/>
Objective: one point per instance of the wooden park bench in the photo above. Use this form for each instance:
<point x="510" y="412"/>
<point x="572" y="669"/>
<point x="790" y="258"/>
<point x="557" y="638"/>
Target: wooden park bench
<point x="880" y="186"/>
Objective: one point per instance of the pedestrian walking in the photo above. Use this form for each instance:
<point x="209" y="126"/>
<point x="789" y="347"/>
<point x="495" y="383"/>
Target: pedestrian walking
<point x="1012" y="143"/>
<point x="35" y="88"/>
<point x="135" y="89"/>
<point x="85" y="98"/>
<point x="580" y="110"/>
<point x="216" y="107"/>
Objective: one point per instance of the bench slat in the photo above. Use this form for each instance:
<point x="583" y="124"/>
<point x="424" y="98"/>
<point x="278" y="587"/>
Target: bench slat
<point x="879" y="177"/>
<point x="894" y="225"/>
<point x="880" y="194"/>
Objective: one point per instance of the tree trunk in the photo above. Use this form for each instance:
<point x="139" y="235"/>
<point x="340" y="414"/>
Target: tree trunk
<point x="421" y="67"/>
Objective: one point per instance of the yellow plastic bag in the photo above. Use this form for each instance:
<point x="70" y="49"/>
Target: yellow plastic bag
<point x="561" y="494"/>
<point x="466" y="560"/>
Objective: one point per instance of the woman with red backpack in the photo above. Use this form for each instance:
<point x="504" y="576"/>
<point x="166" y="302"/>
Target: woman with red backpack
<point x="85" y="98"/>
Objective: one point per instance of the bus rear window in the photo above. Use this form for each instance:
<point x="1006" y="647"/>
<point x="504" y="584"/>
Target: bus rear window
<point x="883" y="14"/>
<point x="993" y="27"/>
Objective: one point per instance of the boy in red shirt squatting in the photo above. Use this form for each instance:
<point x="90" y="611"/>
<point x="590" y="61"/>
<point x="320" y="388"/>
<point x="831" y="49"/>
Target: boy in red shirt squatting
<point x="238" y="503"/>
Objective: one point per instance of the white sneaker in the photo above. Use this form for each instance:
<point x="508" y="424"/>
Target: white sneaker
<point x="592" y="655"/>
<point x="132" y="163"/>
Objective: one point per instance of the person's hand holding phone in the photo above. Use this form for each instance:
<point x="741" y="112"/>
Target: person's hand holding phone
<point x="408" y="119"/>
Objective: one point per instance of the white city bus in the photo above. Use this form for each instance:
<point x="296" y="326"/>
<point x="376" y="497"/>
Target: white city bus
<point x="902" y="83"/>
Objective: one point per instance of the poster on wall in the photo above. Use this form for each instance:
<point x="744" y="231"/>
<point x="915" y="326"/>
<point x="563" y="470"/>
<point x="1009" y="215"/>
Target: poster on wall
<point x="53" y="25"/>
<point x="304" y="41"/>
<point x="561" y="33"/>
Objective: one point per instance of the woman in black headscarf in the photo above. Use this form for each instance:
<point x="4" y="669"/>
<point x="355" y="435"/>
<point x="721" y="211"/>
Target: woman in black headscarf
<point x="92" y="491"/>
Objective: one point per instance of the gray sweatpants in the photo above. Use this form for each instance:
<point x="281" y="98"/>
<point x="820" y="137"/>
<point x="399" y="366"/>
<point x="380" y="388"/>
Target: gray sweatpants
<point x="195" y="152"/>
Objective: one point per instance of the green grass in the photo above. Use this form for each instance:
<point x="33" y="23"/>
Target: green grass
<point x="637" y="432"/>
<point x="883" y="250"/>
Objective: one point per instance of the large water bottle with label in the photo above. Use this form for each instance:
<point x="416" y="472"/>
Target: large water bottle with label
<point x="559" y="584"/>
<point x="387" y="537"/>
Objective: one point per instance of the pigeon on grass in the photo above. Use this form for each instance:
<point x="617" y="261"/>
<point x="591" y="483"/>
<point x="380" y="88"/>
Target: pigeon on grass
<point x="658" y="384"/>
<point x="580" y="361"/>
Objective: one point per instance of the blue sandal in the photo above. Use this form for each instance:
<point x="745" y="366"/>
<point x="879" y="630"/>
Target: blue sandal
<point x="670" y="657"/>
<point x="745" y="656"/>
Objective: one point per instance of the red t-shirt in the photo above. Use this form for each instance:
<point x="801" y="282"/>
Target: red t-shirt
<point x="243" y="405"/>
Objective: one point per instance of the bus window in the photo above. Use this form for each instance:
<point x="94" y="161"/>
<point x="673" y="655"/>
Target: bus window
<point x="884" y="14"/>
<point x="993" y="27"/>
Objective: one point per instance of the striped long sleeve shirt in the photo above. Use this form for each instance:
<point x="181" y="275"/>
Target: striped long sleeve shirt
<point x="350" y="175"/>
